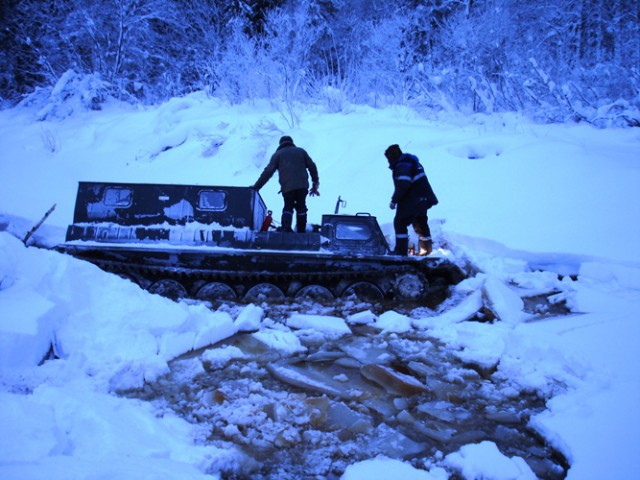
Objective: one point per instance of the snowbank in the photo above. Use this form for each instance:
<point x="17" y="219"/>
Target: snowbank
<point x="523" y="203"/>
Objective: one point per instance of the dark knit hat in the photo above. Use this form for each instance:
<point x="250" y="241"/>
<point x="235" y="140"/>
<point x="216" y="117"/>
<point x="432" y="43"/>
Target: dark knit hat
<point x="393" y="152"/>
<point x="286" y="139"/>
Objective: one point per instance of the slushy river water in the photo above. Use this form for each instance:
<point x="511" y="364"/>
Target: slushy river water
<point x="304" y="415"/>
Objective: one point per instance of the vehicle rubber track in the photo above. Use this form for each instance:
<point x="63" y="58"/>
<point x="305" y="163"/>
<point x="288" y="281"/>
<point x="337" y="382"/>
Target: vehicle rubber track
<point x="388" y="278"/>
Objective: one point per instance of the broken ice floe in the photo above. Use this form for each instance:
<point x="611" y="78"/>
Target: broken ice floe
<point x="308" y="379"/>
<point x="465" y="310"/>
<point x="219" y="357"/>
<point x="333" y="326"/>
<point x="281" y="341"/>
<point x="393" y="382"/>
<point x="362" y="318"/>
<point x="439" y="435"/>
<point x="391" y="321"/>
<point x="204" y="330"/>
<point x="249" y="318"/>
<point x="503" y="302"/>
<point x="484" y="460"/>
<point x="400" y="397"/>
<point x="486" y="297"/>
<point x="365" y="351"/>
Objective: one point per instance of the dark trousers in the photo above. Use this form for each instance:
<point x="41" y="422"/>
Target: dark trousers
<point x="420" y="226"/>
<point x="295" y="200"/>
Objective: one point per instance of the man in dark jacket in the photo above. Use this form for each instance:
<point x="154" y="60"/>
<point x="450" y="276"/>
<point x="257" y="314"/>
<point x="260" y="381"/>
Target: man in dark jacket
<point x="412" y="197"/>
<point x="292" y="164"/>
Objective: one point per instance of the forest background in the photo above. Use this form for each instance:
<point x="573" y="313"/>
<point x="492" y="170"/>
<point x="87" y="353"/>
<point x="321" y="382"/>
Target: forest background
<point x="552" y="60"/>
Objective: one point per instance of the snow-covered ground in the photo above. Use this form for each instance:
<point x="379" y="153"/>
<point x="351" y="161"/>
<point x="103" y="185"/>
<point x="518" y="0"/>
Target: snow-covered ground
<point x="523" y="202"/>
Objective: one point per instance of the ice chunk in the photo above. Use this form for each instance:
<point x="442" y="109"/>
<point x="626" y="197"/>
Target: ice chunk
<point x="219" y="357"/>
<point x="362" y="318"/>
<point x="538" y="282"/>
<point x="340" y="415"/>
<point x="201" y="328"/>
<point x="341" y="378"/>
<point x="364" y="351"/>
<point x="388" y="441"/>
<point x="287" y="437"/>
<point x="383" y="468"/>
<point x="326" y="324"/>
<point x="27" y="322"/>
<point x="308" y="379"/>
<point x="466" y="309"/>
<point x="484" y="460"/>
<point x="503" y="302"/>
<point x="438" y="410"/>
<point x="249" y="318"/>
<point x="421" y="369"/>
<point x="324" y="356"/>
<point x="443" y="411"/>
<point x="175" y="344"/>
<point x="285" y="342"/>
<point x="395" y="383"/>
<point x="318" y="409"/>
<point x="504" y="417"/>
<point x="391" y="321"/>
<point x="621" y="275"/>
<point x="133" y="375"/>
<point x="442" y="436"/>
<point x="348" y="362"/>
<point x="218" y="326"/>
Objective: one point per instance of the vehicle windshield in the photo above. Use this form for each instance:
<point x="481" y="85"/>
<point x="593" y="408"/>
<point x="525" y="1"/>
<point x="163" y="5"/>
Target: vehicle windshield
<point x="352" y="231"/>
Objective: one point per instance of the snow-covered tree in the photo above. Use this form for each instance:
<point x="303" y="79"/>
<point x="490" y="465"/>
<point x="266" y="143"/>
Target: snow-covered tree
<point x="555" y="58"/>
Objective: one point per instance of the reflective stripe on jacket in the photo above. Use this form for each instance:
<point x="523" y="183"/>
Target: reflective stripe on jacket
<point x="411" y="183"/>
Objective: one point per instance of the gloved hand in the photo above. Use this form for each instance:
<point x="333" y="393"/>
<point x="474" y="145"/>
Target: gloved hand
<point x="392" y="205"/>
<point x="314" y="190"/>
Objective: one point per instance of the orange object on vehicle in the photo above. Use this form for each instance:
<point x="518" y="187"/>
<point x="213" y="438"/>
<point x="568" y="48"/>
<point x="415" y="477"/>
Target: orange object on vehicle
<point x="267" y="221"/>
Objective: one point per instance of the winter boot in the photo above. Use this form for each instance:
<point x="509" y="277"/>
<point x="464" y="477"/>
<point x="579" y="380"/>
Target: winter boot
<point x="287" y="218"/>
<point x="402" y="245"/>
<point x="301" y="223"/>
<point x="426" y="246"/>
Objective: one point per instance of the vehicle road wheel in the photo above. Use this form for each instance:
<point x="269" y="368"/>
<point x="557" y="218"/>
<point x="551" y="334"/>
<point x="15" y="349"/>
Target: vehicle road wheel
<point x="264" y="291"/>
<point x="215" y="291"/>
<point x="366" y="291"/>
<point x="168" y="288"/>
<point x="410" y="286"/>
<point x="314" y="292"/>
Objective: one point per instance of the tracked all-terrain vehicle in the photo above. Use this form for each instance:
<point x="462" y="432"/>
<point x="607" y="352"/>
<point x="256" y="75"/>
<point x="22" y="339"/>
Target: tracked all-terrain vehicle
<point x="212" y="243"/>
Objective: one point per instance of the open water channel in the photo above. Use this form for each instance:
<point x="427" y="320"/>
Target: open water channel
<point x="346" y="399"/>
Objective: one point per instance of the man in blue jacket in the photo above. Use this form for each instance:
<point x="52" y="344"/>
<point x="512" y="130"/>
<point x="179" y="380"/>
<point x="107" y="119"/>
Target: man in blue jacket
<point x="292" y="164"/>
<point x="412" y="197"/>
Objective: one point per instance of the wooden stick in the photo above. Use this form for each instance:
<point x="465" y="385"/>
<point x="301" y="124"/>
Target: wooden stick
<point x="38" y="225"/>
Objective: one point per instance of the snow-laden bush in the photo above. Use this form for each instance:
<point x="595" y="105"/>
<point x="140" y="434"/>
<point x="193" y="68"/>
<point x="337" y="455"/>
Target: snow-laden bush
<point x="545" y="59"/>
<point x="72" y="93"/>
